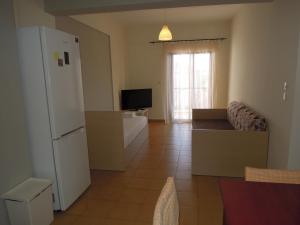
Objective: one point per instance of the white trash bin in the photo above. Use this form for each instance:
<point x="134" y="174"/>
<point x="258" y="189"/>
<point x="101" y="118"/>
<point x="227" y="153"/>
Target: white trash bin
<point x="30" y="203"/>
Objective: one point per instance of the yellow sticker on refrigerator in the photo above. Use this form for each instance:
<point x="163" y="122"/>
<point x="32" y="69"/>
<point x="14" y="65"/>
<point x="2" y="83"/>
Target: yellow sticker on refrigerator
<point x="55" y="56"/>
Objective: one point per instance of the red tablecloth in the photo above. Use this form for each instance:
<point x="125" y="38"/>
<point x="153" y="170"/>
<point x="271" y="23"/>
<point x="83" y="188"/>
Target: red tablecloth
<point x="252" y="203"/>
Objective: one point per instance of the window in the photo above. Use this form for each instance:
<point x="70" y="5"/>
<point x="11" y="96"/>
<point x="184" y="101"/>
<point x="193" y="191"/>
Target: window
<point x="191" y="83"/>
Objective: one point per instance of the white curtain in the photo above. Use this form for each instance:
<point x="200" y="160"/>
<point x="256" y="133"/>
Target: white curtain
<point x="183" y="94"/>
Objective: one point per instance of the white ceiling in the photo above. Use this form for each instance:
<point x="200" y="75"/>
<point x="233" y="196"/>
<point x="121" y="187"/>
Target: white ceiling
<point x="174" y="15"/>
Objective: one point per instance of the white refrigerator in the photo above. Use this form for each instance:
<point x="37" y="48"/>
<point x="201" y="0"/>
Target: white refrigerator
<point x="52" y="88"/>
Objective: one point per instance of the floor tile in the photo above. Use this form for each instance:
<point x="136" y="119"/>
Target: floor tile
<point x="64" y="219"/>
<point x="89" y="221"/>
<point x="124" y="212"/>
<point x="189" y="199"/>
<point x="79" y="207"/>
<point x="186" y="185"/>
<point x="211" y="217"/>
<point x="140" y="183"/>
<point x="146" y="213"/>
<point x="120" y="222"/>
<point x="146" y="173"/>
<point x="188" y="216"/>
<point x="167" y="165"/>
<point x="105" y="193"/>
<point x="98" y="208"/>
<point x="151" y="197"/>
<point x="132" y="195"/>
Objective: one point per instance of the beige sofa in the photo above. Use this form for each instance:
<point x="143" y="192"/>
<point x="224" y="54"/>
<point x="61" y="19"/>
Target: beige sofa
<point x="225" y="141"/>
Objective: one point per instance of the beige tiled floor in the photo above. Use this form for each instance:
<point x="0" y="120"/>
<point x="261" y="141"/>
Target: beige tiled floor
<point x="128" y="198"/>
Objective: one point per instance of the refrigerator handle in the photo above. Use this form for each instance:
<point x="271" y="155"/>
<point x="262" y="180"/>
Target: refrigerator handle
<point x="72" y="131"/>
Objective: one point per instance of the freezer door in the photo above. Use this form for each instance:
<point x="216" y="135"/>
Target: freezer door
<point x="63" y="81"/>
<point x="72" y="166"/>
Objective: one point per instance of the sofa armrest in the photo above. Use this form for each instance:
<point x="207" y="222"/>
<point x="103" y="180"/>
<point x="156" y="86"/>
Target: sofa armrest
<point x="209" y="114"/>
<point x="272" y="176"/>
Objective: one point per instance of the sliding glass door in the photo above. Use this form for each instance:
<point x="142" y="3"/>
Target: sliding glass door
<point x="191" y="84"/>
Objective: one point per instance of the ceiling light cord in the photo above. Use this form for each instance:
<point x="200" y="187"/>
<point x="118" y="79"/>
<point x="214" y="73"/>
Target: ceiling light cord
<point x="165" y="33"/>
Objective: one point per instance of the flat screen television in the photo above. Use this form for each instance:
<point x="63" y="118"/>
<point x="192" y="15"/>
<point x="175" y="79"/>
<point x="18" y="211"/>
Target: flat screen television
<point x="136" y="99"/>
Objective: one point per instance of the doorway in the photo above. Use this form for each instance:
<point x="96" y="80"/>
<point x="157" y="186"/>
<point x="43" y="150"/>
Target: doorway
<point x="191" y="84"/>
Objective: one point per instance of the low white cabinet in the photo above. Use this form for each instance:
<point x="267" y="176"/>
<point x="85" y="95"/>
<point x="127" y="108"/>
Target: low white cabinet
<point x="30" y="203"/>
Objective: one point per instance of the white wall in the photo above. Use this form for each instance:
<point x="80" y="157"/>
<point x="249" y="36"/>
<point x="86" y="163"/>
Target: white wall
<point x="107" y="25"/>
<point x="14" y="155"/>
<point x="294" y="156"/>
<point x="144" y="61"/>
<point x="31" y="13"/>
<point x="263" y="57"/>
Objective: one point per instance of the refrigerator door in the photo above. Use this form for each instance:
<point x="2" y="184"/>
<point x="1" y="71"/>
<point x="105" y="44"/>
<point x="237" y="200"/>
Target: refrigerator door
<point x="72" y="166"/>
<point x="63" y="81"/>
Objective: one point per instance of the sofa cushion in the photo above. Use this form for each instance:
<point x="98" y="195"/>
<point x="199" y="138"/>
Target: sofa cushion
<point x="244" y="118"/>
<point x="212" y="124"/>
<point x="232" y="113"/>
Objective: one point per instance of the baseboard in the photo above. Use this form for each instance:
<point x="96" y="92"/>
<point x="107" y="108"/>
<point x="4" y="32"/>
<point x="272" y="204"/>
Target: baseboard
<point x="157" y="120"/>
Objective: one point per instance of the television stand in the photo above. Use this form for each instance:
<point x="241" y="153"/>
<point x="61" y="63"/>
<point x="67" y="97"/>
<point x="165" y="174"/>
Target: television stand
<point x="134" y="110"/>
<point x="142" y="112"/>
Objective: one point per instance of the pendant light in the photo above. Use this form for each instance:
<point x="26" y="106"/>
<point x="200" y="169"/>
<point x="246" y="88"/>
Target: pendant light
<point x="165" y="33"/>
